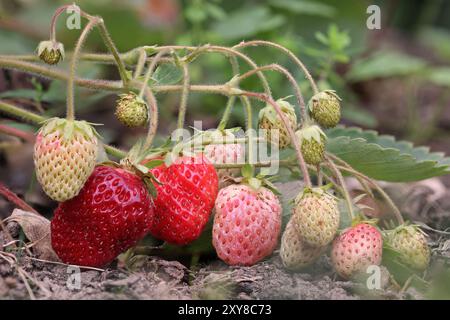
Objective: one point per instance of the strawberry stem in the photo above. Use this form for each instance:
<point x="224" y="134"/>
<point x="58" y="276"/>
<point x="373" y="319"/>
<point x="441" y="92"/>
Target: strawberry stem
<point x="340" y="179"/>
<point x="291" y="79"/>
<point x="184" y="97"/>
<point x="346" y="167"/>
<point x="54" y="20"/>
<point x="14" y="198"/>
<point x="73" y="66"/>
<point x="293" y="57"/>
<point x="301" y="160"/>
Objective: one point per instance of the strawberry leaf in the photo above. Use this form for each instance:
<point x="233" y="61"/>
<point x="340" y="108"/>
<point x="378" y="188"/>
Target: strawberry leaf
<point x="382" y="157"/>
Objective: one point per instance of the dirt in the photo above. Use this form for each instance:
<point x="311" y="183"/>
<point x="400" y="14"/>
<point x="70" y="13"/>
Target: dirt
<point x="157" y="278"/>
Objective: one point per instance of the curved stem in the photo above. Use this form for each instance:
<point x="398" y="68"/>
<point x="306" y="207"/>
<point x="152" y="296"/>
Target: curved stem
<point x="113" y="49"/>
<point x="150" y="70"/>
<point x="278" y="68"/>
<point x="294" y="58"/>
<point x="249" y="129"/>
<point x="226" y="51"/>
<point x="301" y="160"/>
<point x="21" y="113"/>
<point x="231" y="99"/>
<point x="346" y="167"/>
<point x="140" y="64"/>
<point x="11" y="131"/>
<point x="184" y="96"/>
<point x="73" y="68"/>
<point x="153" y="116"/>
<point x="55" y="17"/>
<point x="340" y="178"/>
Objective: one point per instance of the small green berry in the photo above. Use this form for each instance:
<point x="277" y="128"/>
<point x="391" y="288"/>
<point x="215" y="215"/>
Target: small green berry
<point x="51" y="52"/>
<point x="269" y="120"/>
<point x="131" y="110"/>
<point x="312" y="143"/>
<point x="325" y="108"/>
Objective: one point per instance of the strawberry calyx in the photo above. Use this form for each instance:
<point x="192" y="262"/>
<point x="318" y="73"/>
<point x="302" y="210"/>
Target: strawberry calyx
<point x="270" y="113"/>
<point x="311" y="132"/>
<point x="69" y="128"/>
<point x="255" y="181"/>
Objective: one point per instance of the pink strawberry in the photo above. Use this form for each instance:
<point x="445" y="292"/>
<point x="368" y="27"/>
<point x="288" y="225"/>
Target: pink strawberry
<point x="185" y="198"/>
<point x="225" y="154"/>
<point x="246" y="225"/>
<point x="112" y="212"/>
<point x="355" y="249"/>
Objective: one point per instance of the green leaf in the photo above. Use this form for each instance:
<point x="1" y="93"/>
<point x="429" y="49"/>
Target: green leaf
<point x="20" y="93"/>
<point x="385" y="64"/>
<point x="247" y="22"/>
<point x="440" y="76"/>
<point x="167" y="74"/>
<point x="304" y="7"/>
<point x="247" y="171"/>
<point x="382" y="157"/>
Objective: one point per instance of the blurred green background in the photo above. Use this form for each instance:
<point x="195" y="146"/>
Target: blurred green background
<point x="395" y="79"/>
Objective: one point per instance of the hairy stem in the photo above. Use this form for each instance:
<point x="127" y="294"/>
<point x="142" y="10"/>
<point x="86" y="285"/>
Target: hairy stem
<point x="340" y="179"/>
<point x="228" y="52"/>
<point x="20" y="113"/>
<point x="140" y="64"/>
<point x="278" y="68"/>
<point x="150" y="70"/>
<point x="27" y="136"/>
<point x="346" y="167"/>
<point x="55" y="17"/>
<point x="153" y="117"/>
<point x="113" y="49"/>
<point x="231" y="99"/>
<point x="294" y="58"/>
<point x="73" y="68"/>
<point x="301" y="160"/>
<point x="184" y="96"/>
<point x="13" y="198"/>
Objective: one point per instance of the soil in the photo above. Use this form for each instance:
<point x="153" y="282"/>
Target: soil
<point x="157" y="278"/>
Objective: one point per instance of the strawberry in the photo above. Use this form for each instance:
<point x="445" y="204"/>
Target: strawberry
<point x="185" y="198"/>
<point x="355" y="249"/>
<point x="132" y="110"/>
<point x="227" y="153"/>
<point x="111" y="213"/>
<point x="316" y="216"/>
<point x="412" y="245"/>
<point x="312" y="142"/>
<point x="65" y="153"/>
<point x="246" y="224"/>
<point x="269" y="120"/>
<point x="325" y="108"/>
<point x="294" y="252"/>
<point x="51" y="52"/>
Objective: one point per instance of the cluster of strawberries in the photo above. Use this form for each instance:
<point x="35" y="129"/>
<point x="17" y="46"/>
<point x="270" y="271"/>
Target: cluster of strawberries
<point x="107" y="208"/>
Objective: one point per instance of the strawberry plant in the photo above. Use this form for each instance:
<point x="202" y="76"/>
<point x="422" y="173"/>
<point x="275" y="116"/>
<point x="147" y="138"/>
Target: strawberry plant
<point x="175" y="191"/>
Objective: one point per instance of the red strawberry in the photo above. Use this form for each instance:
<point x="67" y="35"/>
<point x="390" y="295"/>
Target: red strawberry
<point x="246" y="225"/>
<point x="185" y="198"/>
<point x="355" y="249"/>
<point x="112" y="212"/>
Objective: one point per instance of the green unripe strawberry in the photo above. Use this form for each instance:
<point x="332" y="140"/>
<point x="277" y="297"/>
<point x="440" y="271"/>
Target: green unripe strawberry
<point x="272" y="123"/>
<point x="412" y="245"/>
<point x="132" y="110"/>
<point x="51" y="52"/>
<point x="325" y="108"/>
<point x="312" y="143"/>
<point x="294" y="252"/>
<point x="65" y="153"/>
<point x="316" y="216"/>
